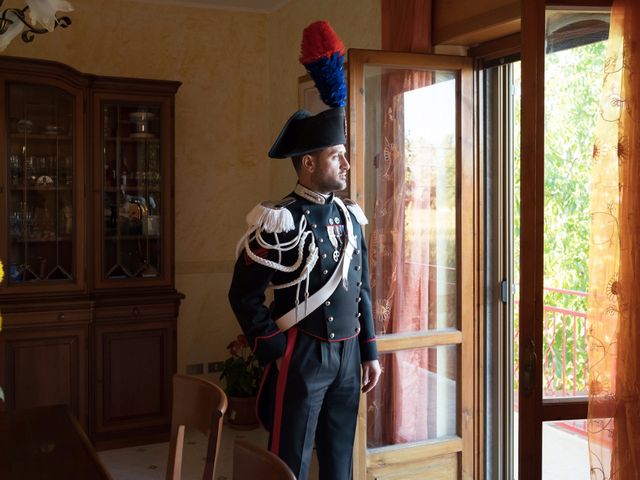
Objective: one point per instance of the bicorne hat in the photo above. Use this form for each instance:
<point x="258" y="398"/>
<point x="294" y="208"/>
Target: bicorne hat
<point x="322" y="54"/>
<point x="305" y="133"/>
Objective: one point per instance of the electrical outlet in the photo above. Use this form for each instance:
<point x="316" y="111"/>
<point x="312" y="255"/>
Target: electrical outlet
<point x="195" y="369"/>
<point x="215" y="367"/>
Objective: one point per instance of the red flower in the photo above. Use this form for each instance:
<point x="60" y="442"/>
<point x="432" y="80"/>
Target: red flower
<point x="238" y="346"/>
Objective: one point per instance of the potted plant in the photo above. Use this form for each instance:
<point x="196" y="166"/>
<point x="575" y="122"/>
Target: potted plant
<point x="241" y="374"/>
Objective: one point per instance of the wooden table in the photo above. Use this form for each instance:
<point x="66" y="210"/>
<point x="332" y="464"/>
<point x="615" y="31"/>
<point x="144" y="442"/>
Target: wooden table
<point x="46" y="443"/>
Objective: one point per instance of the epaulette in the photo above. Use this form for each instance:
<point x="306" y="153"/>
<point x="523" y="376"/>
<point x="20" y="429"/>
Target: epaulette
<point x="272" y="217"/>
<point x="357" y="211"/>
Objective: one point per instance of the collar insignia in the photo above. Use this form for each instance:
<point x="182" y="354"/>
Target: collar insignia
<point x="312" y="196"/>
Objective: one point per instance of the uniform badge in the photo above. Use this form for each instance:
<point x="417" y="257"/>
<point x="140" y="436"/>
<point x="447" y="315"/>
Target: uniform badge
<point x="335" y="231"/>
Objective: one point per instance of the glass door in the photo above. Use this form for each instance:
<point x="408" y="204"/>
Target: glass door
<point x="132" y="204"/>
<point x="412" y="171"/>
<point x="43" y="141"/>
<point x="562" y="71"/>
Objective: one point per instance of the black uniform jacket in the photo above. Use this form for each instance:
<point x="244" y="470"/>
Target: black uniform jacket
<point x="346" y="314"/>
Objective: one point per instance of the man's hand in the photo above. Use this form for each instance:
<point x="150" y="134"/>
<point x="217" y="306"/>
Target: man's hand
<point x="279" y="362"/>
<point x="371" y="372"/>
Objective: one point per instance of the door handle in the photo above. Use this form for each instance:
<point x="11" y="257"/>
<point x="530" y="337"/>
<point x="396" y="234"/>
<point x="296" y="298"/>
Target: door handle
<point x="529" y="362"/>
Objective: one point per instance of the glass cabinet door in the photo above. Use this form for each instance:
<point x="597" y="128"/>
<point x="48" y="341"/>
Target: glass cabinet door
<point x="40" y="160"/>
<point x="132" y="194"/>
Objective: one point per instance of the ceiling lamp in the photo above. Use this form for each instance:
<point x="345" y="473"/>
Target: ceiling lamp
<point x="41" y="19"/>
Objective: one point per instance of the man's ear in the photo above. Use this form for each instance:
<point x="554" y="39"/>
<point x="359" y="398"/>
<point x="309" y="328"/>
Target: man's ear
<point x="308" y="163"/>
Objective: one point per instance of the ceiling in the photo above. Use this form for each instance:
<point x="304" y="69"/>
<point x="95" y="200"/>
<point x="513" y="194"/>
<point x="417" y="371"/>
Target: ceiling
<point x="251" y="5"/>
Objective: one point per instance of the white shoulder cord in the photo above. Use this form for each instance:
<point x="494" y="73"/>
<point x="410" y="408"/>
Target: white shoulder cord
<point x="299" y="241"/>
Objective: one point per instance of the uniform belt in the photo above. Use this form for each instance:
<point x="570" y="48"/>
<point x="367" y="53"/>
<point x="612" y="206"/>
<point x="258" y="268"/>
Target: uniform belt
<point x="302" y="310"/>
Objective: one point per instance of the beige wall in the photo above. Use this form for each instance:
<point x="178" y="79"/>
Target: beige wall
<point x="221" y="132"/>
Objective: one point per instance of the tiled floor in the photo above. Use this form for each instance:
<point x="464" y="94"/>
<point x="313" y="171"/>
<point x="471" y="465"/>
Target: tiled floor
<point x="148" y="462"/>
<point x="564" y="456"/>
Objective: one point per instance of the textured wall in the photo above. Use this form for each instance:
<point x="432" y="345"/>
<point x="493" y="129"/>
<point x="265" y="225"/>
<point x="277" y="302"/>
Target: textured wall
<point x="357" y="22"/>
<point x="221" y="132"/>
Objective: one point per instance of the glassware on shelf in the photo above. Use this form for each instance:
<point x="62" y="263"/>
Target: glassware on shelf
<point x="66" y="171"/>
<point x="15" y="170"/>
<point x="24" y="126"/>
<point x="15" y="224"/>
<point x="67" y="220"/>
<point x="141" y="120"/>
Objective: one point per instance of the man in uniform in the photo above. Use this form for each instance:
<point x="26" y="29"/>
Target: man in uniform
<point x="317" y="337"/>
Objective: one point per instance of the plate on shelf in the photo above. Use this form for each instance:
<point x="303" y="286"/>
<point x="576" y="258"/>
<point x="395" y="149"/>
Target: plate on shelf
<point x="142" y="135"/>
<point x="141" y="116"/>
<point x="52" y="130"/>
<point x="24" y="126"/>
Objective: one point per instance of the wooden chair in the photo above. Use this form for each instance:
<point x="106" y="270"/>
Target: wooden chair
<point x="199" y="404"/>
<point x="252" y="462"/>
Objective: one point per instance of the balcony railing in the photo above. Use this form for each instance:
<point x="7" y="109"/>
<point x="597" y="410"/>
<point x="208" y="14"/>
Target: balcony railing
<point x="565" y="361"/>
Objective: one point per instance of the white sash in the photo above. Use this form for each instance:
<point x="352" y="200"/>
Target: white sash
<point x="302" y="310"/>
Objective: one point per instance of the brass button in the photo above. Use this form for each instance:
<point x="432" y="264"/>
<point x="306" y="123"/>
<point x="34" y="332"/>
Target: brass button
<point x="307" y="212"/>
<point x="324" y="255"/>
<point x="324" y="272"/>
<point x="357" y="267"/>
<point x="331" y="335"/>
<point x="357" y="252"/>
<point x="321" y="240"/>
<point x="358" y="315"/>
<point x="327" y="303"/>
<point x="330" y="319"/>
<point x="358" y="284"/>
<point x="314" y="226"/>
<point x="357" y="329"/>
<point x="359" y="299"/>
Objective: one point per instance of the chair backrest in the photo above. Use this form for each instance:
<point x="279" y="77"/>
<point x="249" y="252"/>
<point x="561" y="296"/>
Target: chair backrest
<point x="252" y="462"/>
<point x="200" y="404"/>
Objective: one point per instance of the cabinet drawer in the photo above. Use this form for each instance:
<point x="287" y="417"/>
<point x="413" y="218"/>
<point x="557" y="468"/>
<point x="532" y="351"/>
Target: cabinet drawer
<point x="49" y="317"/>
<point x="131" y="312"/>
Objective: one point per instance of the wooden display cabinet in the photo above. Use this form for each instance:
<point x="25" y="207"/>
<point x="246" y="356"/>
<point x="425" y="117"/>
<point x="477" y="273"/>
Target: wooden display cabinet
<point x="86" y="189"/>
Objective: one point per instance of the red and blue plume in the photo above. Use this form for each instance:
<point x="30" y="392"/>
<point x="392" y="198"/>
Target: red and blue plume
<point x="322" y="54"/>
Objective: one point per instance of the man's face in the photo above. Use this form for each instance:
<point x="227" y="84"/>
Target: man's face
<point x="330" y="170"/>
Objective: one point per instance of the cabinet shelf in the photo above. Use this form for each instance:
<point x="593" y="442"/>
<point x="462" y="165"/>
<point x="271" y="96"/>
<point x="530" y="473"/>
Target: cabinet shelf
<point x="40" y="240"/>
<point x="132" y="237"/>
<point x="132" y="190"/>
<point x="40" y="137"/>
<point x="41" y="188"/>
<point x="132" y="139"/>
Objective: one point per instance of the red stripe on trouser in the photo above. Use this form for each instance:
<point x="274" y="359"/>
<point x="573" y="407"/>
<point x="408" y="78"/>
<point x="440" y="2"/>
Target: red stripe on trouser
<point x="280" y="387"/>
<point x="265" y="374"/>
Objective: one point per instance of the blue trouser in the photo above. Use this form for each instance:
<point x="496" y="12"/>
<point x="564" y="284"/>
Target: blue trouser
<point x="315" y="396"/>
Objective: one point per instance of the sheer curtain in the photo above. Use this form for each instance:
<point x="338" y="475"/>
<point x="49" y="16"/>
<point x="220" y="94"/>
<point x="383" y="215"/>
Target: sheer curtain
<point x="400" y="291"/>
<point x="399" y="277"/>
<point x="614" y="258"/>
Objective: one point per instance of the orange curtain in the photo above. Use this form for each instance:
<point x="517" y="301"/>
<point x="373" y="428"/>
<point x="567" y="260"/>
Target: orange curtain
<point x="614" y="258"/>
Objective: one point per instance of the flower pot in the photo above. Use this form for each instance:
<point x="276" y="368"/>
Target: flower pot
<point x="241" y="413"/>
